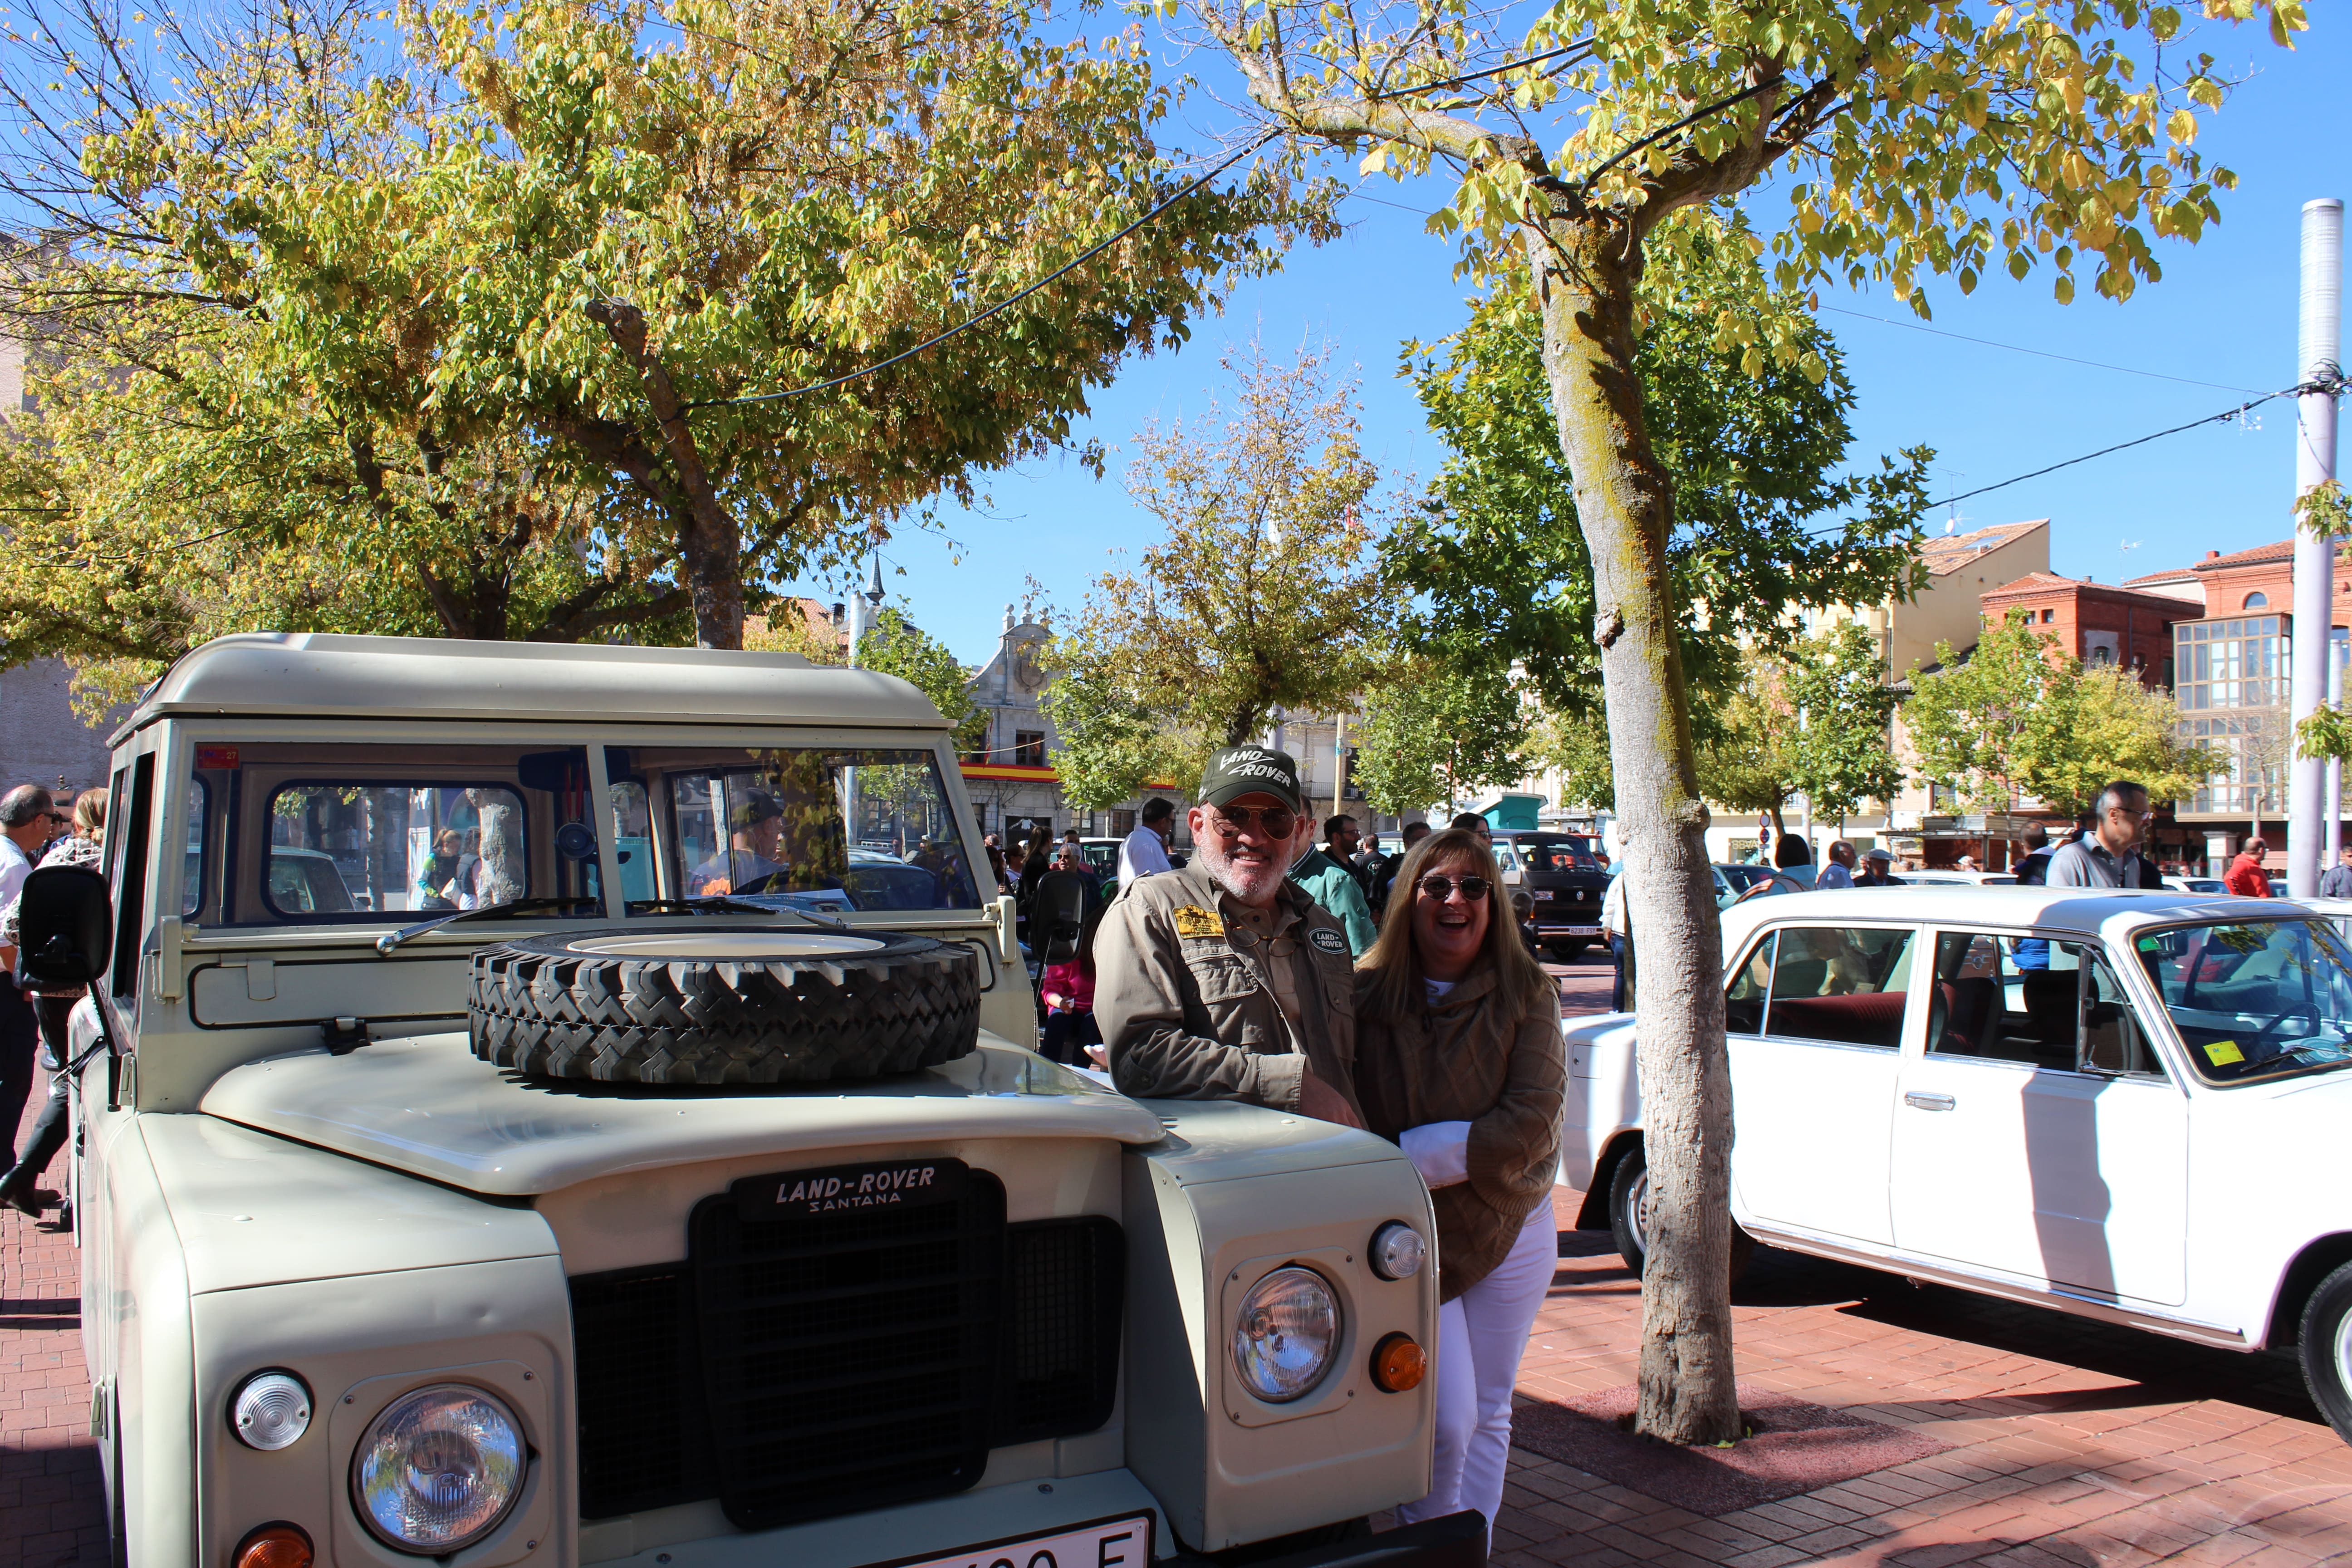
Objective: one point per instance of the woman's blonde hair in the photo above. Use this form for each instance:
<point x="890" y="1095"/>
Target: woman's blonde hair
<point x="1394" y="964"/>
<point x="89" y="810"/>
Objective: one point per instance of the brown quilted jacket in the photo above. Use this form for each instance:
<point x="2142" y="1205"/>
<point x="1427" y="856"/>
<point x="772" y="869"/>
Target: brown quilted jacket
<point x="1463" y="1060"/>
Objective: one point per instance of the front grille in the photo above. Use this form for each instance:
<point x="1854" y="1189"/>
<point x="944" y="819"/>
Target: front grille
<point x="803" y="1368"/>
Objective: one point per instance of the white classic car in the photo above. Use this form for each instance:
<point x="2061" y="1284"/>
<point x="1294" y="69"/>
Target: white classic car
<point x="2122" y="1105"/>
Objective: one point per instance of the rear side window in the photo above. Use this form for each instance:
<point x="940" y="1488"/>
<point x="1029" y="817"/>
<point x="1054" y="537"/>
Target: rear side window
<point x="130" y="873"/>
<point x="1840" y="984"/>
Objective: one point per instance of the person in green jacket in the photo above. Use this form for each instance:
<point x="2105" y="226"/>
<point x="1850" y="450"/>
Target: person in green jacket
<point x="1326" y="876"/>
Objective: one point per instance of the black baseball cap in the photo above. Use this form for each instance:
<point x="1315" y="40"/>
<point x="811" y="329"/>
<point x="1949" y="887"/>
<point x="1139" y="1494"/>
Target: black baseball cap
<point x="753" y="806"/>
<point x="1238" y="771"/>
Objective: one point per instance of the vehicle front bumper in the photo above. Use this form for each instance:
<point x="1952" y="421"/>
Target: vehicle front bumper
<point x="1456" y="1540"/>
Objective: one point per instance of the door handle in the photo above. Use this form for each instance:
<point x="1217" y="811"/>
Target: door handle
<point x="1928" y="1101"/>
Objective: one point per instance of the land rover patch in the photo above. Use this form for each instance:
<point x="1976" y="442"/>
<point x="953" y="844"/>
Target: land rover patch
<point x="1193" y="920"/>
<point x="840" y="1189"/>
<point x="1327" y="938"/>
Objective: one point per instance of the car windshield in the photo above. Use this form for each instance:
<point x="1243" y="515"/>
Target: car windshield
<point x="1557" y="855"/>
<point x="2255" y="999"/>
<point x="775" y="825"/>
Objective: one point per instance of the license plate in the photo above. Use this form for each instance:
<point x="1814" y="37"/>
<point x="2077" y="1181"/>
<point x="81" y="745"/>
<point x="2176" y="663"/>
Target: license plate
<point x="1122" y="1543"/>
<point x="1578" y="930"/>
<point x="1543" y="895"/>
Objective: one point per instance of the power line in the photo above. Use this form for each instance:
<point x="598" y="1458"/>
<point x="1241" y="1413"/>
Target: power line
<point x="2333" y="386"/>
<point x="2021" y="349"/>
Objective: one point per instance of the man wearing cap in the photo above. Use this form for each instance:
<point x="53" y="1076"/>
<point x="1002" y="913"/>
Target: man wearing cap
<point x="1223" y="980"/>
<point x="1877" y="869"/>
<point x="748" y="861"/>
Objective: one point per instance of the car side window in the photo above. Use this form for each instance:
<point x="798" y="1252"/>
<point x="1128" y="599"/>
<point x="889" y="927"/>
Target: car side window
<point x="2112" y="1038"/>
<point x="1844" y="985"/>
<point x="1743" y="1003"/>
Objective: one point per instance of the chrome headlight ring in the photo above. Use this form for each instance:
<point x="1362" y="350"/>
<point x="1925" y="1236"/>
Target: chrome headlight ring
<point x="439" y="1469"/>
<point x="1287" y="1334"/>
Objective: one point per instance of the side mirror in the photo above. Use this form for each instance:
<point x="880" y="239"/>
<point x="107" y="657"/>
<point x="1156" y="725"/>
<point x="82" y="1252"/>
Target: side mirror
<point x="65" y="928"/>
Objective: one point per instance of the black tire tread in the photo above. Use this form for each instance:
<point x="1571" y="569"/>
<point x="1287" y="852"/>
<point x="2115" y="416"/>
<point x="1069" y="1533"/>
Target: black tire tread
<point x="539" y="1009"/>
<point x="2322" y="1315"/>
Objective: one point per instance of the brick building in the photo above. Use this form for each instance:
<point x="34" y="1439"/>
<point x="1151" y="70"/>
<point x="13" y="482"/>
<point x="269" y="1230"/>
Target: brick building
<point x="2100" y="625"/>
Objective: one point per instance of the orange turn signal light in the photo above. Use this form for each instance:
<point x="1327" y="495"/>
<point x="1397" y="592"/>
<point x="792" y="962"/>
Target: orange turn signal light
<point x="278" y="1545"/>
<point x="1398" y="1363"/>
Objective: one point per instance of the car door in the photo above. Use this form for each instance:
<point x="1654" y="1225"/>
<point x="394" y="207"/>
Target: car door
<point x="2037" y="1134"/>
<point x="1815" y="1015"/>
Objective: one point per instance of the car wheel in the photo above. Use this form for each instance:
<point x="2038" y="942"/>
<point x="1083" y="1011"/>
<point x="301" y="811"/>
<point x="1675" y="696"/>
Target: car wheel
<point x="1566" y="951"/>
<point x="1628" y="1218"/>
<point x="2327" y="1349"/>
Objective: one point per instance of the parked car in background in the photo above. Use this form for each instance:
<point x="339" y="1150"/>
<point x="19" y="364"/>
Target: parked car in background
<point x="2196" y="884"/>
<point x="1565" y="881"/>
<point x="1732" y="881"/>
<point x="2122" y="1105"/>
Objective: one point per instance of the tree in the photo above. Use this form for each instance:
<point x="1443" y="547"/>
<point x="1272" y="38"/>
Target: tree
<point x="1911" y="137"/>
<point x="1746" y="752"/>
<point x="588" y="234"/>
<point x="2093" y="726"/>
<point x="2017" y="718"/>
<point x="1967" y="716"/>
<point x="1435" y="731"/>
<point x="1502" y="569"/>
<point x="1841" y="754"/>
<point x="1262" y="595"/>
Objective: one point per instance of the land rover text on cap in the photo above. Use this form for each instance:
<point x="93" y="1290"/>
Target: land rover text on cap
<point x="1238" y="771"/>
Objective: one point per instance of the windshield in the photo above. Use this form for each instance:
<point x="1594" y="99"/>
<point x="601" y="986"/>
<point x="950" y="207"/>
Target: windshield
<point x="294" y="833"/>
<point x="2256" y="999"/>
<point x="774" y="825"/>
<point x="1557" y="855"/>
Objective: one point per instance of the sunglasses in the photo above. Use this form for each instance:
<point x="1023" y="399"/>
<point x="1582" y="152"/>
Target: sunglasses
<point x="1274" y="821"/>
<point x="1441" y="887"/>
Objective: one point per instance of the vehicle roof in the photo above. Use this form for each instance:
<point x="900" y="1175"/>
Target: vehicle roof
<point x="320" y="674"/>
<point x="2087" y="911"/>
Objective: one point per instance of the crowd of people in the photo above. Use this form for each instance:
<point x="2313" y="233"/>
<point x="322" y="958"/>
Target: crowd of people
<point x="34" y="832"/>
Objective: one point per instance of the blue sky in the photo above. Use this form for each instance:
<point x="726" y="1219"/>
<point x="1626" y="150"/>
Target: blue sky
<point x="2224" y="313"/>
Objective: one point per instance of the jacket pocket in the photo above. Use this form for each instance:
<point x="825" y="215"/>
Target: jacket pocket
<point x="1222" y="980"/>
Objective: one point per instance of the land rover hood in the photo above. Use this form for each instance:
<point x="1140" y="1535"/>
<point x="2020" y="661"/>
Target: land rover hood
<point x="429" y="1106"/>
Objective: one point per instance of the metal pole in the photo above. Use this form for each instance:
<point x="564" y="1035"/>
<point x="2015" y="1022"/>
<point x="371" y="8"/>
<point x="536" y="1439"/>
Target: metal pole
<point x="2319" y="331"/>
<point x="2335" y="769"/>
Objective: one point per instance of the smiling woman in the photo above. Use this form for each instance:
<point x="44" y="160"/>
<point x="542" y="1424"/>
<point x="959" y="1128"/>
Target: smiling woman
<point x="1458" y="1060"/>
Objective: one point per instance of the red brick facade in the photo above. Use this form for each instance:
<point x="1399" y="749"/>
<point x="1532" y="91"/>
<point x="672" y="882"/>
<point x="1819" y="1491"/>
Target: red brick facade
<point x="2095" y="623"/>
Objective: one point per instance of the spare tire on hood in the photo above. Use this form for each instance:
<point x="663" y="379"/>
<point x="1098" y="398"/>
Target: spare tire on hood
<point x="723" y="1004"/>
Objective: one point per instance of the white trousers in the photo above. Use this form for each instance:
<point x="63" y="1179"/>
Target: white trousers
<point x="1481" y="1335"/>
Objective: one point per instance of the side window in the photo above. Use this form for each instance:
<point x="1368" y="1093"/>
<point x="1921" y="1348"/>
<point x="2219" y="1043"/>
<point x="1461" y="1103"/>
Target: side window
<point x="2112" y="1038"/>
<point x="1843" y="985"/>
<point x="1743" y="1004"/>
<point x="2005" y="998"/>
<point x="130" y="891"/>
<point x="192" y="891"/>
<point x="633" y="834"/>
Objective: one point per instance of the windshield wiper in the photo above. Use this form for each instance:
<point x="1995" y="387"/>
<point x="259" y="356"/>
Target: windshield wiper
<point x="392" y="939"/>
<point x="719" y="903"/>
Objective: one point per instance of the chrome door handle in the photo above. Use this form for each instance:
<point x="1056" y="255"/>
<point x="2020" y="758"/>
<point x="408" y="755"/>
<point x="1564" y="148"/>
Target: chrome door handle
<point x="1929" y="1101"/>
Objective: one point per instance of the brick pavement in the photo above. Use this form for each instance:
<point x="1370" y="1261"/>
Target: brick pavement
<point x="51" y="1507"/>
<point x="2073" y="1445"/>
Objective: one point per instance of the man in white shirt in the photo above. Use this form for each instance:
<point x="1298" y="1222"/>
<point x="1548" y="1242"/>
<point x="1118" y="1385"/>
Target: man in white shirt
<point x="1839" y="872"/>
<point x="1145" y="852"/>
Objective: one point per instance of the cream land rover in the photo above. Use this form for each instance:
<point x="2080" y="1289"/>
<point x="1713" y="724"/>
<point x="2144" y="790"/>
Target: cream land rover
<point x="560" y="1106"/>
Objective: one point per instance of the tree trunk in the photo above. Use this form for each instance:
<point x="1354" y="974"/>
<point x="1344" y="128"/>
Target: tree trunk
<point x="1624" y="503"/>
<point x="709" y="544"/>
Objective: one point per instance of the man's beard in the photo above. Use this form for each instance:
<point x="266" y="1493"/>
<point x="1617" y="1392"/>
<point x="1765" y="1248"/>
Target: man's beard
<point x="1249" y="880"/>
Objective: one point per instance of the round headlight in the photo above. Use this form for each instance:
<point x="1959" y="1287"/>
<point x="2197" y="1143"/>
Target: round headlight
<point x="271" y="1411"/>
<point x="1284" y="1333"/>
<point x="1398" y="1251"/>
<point x="438" y="1470"/>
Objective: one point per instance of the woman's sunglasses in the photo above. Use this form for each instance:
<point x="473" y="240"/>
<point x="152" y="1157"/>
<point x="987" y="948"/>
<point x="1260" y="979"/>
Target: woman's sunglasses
<point x="1441" y="887"/>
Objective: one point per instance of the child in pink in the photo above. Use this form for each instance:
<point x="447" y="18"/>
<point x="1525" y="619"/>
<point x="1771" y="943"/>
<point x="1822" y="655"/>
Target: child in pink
<point x="1070" y="990"/>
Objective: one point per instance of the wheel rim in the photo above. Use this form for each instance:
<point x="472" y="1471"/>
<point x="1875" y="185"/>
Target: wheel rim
<point x="2344" y="1355"/>
<point x="1637" y="1212"/>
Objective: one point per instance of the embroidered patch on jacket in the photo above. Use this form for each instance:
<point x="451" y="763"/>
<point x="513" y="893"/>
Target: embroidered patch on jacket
<point x="1329" y="941"/>
<point x="1193" y="920"/>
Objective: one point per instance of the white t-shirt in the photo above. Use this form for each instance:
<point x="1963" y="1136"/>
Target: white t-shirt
<point x="15" y="866"/>
<point x="1144" y="854"/>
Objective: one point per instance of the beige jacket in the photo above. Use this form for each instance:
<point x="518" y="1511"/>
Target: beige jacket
<point x="1464" y="1060"/>
<point x="1185" y="1001"/>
